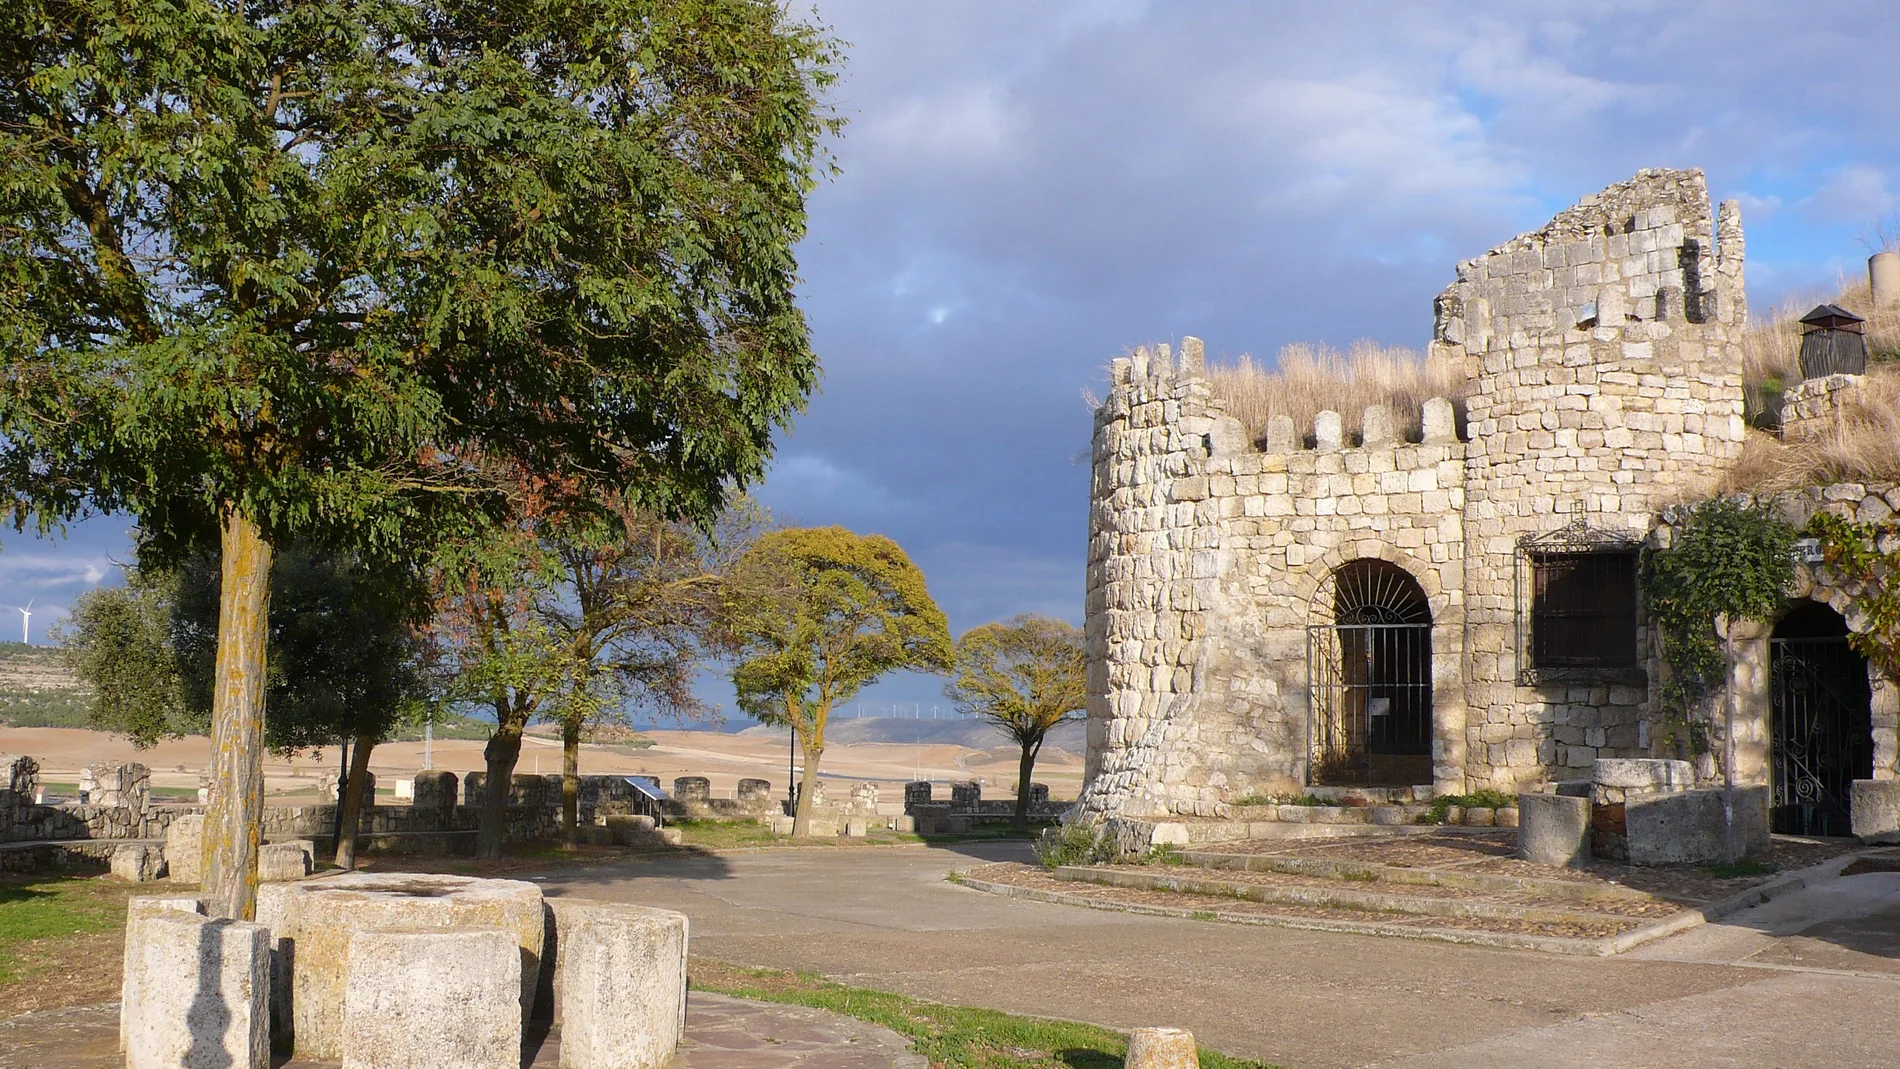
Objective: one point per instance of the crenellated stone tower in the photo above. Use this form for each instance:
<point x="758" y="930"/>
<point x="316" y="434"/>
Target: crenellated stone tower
<point x="1429" y="611"/>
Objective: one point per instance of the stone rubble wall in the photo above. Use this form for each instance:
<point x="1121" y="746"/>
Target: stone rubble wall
<point x="1814" y="406"/>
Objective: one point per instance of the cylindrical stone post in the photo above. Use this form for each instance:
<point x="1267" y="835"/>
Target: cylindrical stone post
<point x="1161" y="1048"/>
<point x="619" y="984"/>
<point x="419" y="998"/>
<point x="1883" y="276"/>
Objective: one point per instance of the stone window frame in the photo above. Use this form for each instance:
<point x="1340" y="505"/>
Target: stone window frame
<point x="1575" y="539"/>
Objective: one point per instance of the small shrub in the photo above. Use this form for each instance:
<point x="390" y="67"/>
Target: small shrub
<point x="1482" y="798"/>
<point x="1075" y="844"/>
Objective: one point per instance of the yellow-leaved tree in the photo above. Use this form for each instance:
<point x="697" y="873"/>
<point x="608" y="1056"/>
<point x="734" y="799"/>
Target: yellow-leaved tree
<point x="821" y="613"/>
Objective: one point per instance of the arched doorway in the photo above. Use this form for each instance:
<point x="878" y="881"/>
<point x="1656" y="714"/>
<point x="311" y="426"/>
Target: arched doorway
<point x="1371" y="676"/>
<point x="1821" y="722"/>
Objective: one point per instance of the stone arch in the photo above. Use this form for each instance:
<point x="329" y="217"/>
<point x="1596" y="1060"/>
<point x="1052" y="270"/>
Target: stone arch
<point x="1308" y="584"/>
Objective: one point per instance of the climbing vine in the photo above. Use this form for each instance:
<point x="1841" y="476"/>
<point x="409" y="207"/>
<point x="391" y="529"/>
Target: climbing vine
<point x="1725" y="559"/>
<point x="1864" y="558"/>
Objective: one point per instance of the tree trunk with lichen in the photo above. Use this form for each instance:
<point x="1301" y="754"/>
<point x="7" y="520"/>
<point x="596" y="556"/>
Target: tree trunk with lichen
<point x="234" y="818"/>
<point x="353" y="802"/>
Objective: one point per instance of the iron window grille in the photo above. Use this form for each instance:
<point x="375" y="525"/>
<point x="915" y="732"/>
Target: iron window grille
<point x="1577" y="607"/>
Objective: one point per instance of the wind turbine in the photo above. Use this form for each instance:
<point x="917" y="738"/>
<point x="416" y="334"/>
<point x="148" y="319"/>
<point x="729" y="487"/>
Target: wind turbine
<point x="26" y="619"/>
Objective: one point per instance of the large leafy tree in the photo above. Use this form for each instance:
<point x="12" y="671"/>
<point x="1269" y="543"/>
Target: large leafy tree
<point x="821" y="613"/>
<point x="315" y="268"/>
<point x="1025" y="676"/>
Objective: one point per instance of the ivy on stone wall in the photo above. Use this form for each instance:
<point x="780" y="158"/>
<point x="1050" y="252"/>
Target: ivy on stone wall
<point x="1864" y="559"/>
<point x="1724" y="560"/>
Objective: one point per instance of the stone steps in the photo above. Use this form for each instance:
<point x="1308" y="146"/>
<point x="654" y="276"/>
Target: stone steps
<point x="1516" y="905"/>
<point x="1368" y="872"/>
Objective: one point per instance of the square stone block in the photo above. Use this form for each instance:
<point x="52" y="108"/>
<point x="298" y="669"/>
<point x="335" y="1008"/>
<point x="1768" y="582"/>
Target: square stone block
<point x="1875" y="805"/>
<point x="184" y="848"/>
<point x="314" y="921"/>
<point x="432" y="998"/>
<point x="137" y="862"/>
<point x="291" y="860"/>
<point x="132" y="974"/>
<point x="1689" y="828"/>
<point x="201" y="998"/>
<point x="1553" y="829"/>
<point x="618" y="991"/>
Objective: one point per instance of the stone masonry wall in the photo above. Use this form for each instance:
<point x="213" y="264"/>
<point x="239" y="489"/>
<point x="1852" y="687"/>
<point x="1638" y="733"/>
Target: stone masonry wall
<point x="1602" y="419"/>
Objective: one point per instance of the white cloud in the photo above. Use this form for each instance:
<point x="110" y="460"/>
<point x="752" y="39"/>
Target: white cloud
<point x="1857" y="194"/>
<point x="28" y="572"/>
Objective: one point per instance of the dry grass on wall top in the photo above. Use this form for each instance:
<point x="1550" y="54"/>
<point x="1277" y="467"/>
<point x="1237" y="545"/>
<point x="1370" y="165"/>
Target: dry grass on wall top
<point x="1771" y="348"/>
<point x="1310" y="379"/>
<point x="1863" y="446"/>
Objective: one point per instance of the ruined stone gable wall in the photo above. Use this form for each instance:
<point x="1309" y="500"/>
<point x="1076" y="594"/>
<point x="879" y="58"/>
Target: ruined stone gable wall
<point x="1603" y="411"/>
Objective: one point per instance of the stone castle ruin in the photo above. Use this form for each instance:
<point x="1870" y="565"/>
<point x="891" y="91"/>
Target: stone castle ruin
<point x="1457" y="607"/>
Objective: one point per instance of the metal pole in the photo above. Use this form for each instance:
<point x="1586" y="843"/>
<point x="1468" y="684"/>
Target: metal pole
<point x="1728" y="758"/>
<point x="342" y="784"/>
<point x="791" y="770"/>
<point x="428" y="741"/>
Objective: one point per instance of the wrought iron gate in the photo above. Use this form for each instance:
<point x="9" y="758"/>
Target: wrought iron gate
<point x="1821" y="733"/>
<point x="1372" y="704"/>
<point x="1371" y="676"/>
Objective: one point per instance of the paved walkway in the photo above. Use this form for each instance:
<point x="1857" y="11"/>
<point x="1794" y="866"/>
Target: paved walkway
<point x="721" y="1033"/>
<point x="1811" y="979"/>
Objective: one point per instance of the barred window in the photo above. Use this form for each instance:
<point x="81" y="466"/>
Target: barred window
<point x="1577" y="608"/>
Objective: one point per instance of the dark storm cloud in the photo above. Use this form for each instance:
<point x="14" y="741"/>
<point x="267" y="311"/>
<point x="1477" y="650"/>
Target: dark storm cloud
<point x="1028" y="189"/>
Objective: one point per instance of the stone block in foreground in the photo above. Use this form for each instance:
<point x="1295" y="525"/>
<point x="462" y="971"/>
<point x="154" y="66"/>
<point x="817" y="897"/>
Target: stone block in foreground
<point x="1689" y="827"/>
<point x="132" y="975"/>
<point x="201" y="997"/>
<point x="1875" y="805"/>
<point x="432" y="998"/>
<point x="618" y="990"/>
<point x="1162" y="1048"/>
<point x="1553" y="829"/>
<point x="313" y="922"/>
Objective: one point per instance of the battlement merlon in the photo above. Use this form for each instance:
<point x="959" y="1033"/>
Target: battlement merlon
<point x="1645" y="250"/>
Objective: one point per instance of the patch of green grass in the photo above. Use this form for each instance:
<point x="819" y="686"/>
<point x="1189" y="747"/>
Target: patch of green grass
<point x="962" y="1037"/>
<point x="1748" y="866"/>
<point x="1485" y="798"/>
<point x="37" y="908"/>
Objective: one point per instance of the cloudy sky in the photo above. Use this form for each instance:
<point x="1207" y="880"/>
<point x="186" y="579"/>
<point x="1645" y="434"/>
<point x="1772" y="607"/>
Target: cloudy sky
<point x="1028" y="189"/>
